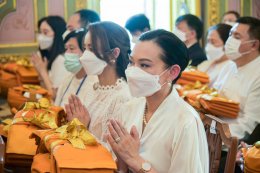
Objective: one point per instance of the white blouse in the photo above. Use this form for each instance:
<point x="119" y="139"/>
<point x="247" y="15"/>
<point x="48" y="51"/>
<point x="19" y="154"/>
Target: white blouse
<point x="242" y="85"/>
<point x="213" y="69"/>
<point x="58" y="72"/>
<point x="73" y="85"/>
<point x="104" y="103"/>
<point x="174" y="139"/>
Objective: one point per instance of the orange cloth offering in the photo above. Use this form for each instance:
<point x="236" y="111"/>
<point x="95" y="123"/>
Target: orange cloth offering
<point x="16" y="74"/>
<point x="206" y="100"/>
<point x="17" y="96"/>
<point x="41" y="163"/>
<point x="18" y="140"/>
<point x="92" y="159"/>
<point x="33" y="116"/>
<point x="252" y="159"/>
<point x="191" y="76"/>
<point x="72" y="149"/>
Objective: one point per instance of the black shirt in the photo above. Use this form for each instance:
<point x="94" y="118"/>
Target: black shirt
<point x="196" y="54"/>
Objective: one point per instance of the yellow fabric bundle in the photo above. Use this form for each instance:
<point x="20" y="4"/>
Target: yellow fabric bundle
<point x="71" y="149"/>
<point x="252" y="159"/>
<point x="191" y="76"/>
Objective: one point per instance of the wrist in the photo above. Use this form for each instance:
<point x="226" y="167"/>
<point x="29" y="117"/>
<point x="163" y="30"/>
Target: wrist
<point x="136" y="164"/>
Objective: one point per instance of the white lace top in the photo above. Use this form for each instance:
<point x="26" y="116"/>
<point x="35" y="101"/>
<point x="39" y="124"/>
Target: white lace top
<point x="104" y="103"/>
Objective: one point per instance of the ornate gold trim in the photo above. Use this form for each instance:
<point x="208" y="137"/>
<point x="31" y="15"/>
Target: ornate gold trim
<point x="32" y="44"/>
<point x="2" y="4"/>
<point x="171" y="15"/>
<point x="15" y="45"/>
<point x="46" y="7"/>
<point x="213" y="12"/>
<point x="35" y="6"/>
<point x="5" y="58"/>
<point x="198" y="8"/>
<point x="66" y="10"/>
<point x="80" y="4"/>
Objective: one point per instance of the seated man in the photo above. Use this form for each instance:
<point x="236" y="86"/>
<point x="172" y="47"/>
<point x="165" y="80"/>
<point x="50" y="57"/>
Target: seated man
<point x="137" y="25"/>
<point x="189" y="29"/>
<point x="81" y="19"/>
<point x="230" y="17"/>
<point x="242" y="82"/>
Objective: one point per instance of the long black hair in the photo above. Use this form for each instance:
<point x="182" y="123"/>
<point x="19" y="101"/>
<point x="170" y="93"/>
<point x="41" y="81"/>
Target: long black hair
<point x="58" y="25"/>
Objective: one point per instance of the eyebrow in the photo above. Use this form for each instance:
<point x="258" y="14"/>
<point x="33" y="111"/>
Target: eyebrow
<point x="142" y="59"/>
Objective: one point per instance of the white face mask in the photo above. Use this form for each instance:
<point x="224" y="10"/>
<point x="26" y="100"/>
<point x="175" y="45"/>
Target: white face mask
<point x="45" y="42"/>
<point x="232" y="48"/>
<point x="65" y="34"/>
<point x="135" y="39"/>
<point x="141" y="83"/>
<point x="91" y="63"/>
<point x="214" y="53"/>
<point x="230" y="23"/>
<point x="180" y="34"/>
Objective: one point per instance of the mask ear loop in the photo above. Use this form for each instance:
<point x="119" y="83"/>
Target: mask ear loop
<point x="162" y="74"/>
<point x="246" y="42"/>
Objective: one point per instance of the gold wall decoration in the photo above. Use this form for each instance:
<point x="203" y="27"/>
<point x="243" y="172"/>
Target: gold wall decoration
<point x="80" y="4"/>
<point x="5" y="58"/>
<point x="213" y="12"/>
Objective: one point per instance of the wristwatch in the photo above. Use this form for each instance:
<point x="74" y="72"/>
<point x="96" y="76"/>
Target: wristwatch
<point x="146" y="167"/>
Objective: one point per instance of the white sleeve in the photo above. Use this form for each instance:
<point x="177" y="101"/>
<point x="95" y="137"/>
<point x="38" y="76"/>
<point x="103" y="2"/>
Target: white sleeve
<point x="249" y="117"/>
<point x="58" y="71"/>
<point x="187" y="154"/>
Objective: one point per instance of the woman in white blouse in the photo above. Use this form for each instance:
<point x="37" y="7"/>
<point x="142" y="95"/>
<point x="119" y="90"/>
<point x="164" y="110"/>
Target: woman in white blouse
<point x="107" y="47"/>
<point x="216" y="39"/>
<point x="160" y="132"/>
<point x="49" y="61"/>
<point x="77" y="82"/>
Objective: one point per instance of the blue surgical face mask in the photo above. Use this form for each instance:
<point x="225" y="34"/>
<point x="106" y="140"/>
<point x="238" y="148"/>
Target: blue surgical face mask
<point x="72" y="63"/>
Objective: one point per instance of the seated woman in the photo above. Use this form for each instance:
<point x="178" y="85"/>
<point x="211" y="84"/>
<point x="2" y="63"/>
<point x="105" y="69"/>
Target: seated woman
<point x="50" y="61"/>
<point x="77" y="82"/>
<point x="216" y="39"/>
<point x="107" y="47"/>
<point x="161" y="132"/>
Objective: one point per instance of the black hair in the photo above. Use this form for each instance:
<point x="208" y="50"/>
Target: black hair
<point x="105" y="36"/>
<point x="193" y="22"/>
<point x="254" y="27"/>
<point x="58" y="25"/>
<point x="79" y="34"/>
<point x="137" y="22"/>
<point x="235" y="13"/>
<point x="87" y="17"/>
<point x="223" y="31"/>
<point x="173" y="49"/>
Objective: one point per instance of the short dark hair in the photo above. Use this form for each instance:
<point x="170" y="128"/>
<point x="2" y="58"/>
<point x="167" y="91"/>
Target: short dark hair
<point x="105" y="36"/>
<point x="193" y="22"/>
<point x="87" y="17"/>
<point x="79" y="35"/>
<point x="254" y="27"/>
<point x="223" y="31"/>
<point x="174" y="50"/>
<point x="235" y="13"/>
<point x="58" y="25"/>
<point x="137" y="22"/>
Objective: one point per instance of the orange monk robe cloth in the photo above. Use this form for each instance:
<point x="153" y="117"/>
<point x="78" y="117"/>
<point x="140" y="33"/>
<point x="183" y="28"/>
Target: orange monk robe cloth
<point x="67" y="159"/>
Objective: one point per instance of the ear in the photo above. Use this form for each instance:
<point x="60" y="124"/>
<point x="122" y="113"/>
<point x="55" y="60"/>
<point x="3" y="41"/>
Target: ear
<point x="116" y="52"/>
<point x="256" y="45"/>
<point x="174" y="72"/>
